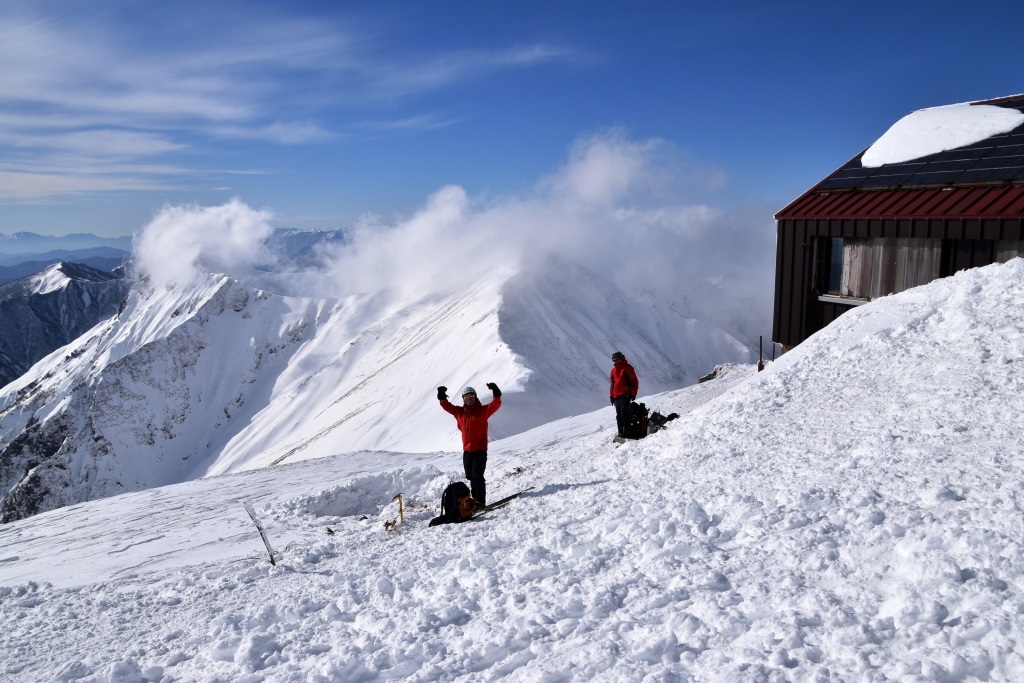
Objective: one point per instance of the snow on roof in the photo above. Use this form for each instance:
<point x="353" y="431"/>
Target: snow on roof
<point x="934" y="130"/>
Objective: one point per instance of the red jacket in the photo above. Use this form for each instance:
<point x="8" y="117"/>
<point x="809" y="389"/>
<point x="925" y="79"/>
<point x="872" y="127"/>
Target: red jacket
<point x="472" y="421"/>
<point x="624" y="381"/>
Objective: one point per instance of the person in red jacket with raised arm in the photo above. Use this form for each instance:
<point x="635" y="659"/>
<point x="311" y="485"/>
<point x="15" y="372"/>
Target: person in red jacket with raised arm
<point x="472" y="418"/>
<point x="624" y="388"/>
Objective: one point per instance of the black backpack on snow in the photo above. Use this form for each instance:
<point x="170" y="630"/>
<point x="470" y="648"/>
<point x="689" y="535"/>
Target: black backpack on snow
<point x="636" y="421"/>
<point x="657" y="421"/>
<point x="456" y="504"/>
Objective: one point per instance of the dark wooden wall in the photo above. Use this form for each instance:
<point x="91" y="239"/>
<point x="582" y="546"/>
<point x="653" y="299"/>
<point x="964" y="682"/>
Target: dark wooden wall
<point x="967" y="243"/>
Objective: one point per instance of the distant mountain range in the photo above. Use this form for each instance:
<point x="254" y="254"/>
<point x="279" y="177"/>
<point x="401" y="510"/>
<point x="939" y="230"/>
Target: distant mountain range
<point x="26" y="253"/>
<point x="32" y="243"/>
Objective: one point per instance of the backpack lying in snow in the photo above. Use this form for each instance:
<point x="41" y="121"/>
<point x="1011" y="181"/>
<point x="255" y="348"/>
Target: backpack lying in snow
<point x="657" y="421"/>
<point x="456" y="504"/>
<point x="636" y="421"/>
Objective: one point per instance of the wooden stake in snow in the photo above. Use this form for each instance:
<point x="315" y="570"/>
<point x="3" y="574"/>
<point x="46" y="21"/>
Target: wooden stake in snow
<point x="252" y="515"/>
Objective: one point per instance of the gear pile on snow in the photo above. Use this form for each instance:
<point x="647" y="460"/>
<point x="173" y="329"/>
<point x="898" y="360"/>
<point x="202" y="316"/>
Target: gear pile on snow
<point x="456" y="504"/>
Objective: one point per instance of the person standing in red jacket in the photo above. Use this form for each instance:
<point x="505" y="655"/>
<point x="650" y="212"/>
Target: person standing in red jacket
<point x="472" y="418"/>
<point x="624" y="388"/>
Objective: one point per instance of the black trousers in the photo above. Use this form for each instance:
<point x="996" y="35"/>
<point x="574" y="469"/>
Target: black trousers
<point x="622" y="412"/>
<point x="475" y="462"/>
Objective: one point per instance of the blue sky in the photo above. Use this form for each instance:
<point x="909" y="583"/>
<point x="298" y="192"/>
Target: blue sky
<point x="324" y="111"/>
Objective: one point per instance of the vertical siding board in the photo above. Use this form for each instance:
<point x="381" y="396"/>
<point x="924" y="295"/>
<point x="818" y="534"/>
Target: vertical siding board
<point x="954" y="229"/>
<point x="982" y="254"/>
<point x="780" y="271"/>
<point x="792" y="239"/>
<point x="791" y="331"/>
<point x="787" y="289"/>
<point x="972" y="229"/>
<point x="963" y="256"/>
<point x="991" y="229"/>
<point x="793" y="284"/>
<point x="801" y="282"/>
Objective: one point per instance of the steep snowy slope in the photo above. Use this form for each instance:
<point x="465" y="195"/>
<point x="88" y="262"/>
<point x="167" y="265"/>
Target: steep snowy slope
<point x="563" y="322"/>
<point x="143" y="399"/>
<point x="218" y="377"/>
<point x="853" y="513"/>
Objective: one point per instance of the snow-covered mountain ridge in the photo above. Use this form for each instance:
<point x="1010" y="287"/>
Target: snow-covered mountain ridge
<point x="851" y="513"/>
<point x="218" y="376"/>
<point x="47" y="310"/>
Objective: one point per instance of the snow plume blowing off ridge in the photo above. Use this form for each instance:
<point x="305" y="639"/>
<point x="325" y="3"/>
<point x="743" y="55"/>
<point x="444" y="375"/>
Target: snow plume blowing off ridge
<point x="616" y="206"/>
<point x="602" y="254"/>
<point x="181" y="241"/>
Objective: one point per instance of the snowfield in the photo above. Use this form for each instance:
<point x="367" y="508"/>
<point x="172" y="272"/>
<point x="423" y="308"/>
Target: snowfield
<point x="853" y="513"/>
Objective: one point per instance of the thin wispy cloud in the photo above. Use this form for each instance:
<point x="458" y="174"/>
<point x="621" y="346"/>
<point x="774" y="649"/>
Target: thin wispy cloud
<point x="390" y="81"/>
<point x="23" y="186"/>
<point x="282" y="133"/>
<point x="77" y="89"/>
<point x="431" y="121"/>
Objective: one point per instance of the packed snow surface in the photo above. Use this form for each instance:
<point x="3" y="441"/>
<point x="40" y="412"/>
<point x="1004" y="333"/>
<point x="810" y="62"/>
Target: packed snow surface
<point x="933" y="130"/>
<point x="853" y="513"/>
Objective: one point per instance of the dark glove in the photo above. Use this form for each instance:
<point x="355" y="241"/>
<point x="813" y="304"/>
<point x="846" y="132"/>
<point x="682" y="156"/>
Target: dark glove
<point x="442" y="393"/>
<point x="494" y="389"/>
<point x="611" y="399"/>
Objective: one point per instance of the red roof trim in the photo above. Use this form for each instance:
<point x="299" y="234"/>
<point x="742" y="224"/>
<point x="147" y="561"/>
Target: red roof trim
<point x="958" y="203"/>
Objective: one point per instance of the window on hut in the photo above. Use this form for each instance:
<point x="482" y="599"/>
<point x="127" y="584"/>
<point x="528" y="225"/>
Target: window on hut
<point x="871" y="268"/>
<point x="835" y="271"/>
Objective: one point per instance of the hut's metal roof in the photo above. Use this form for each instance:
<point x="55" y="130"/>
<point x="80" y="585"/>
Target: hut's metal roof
<point x="982" y="180"/>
